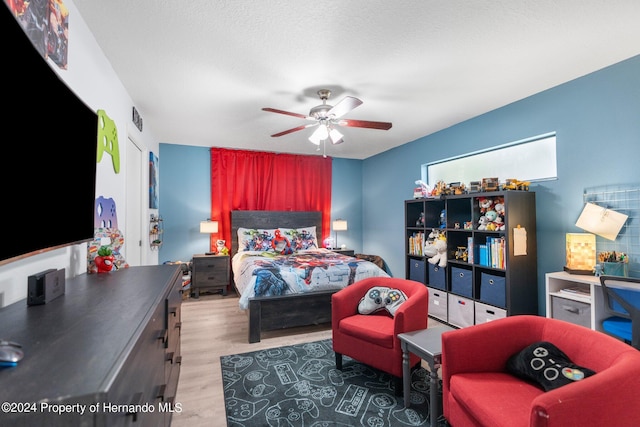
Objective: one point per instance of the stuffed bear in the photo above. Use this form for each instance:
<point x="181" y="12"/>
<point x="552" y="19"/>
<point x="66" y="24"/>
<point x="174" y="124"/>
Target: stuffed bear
<point x="440" y="257"/>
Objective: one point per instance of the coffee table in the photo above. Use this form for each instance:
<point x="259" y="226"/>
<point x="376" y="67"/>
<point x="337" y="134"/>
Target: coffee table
<point x="427" y="345"/>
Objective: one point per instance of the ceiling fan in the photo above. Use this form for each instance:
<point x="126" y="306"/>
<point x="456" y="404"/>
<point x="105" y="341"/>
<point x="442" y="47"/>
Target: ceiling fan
<point x="327" y="117"/>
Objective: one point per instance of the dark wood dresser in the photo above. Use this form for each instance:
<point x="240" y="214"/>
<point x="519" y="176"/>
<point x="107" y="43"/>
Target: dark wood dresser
<point x="107" y="352"/>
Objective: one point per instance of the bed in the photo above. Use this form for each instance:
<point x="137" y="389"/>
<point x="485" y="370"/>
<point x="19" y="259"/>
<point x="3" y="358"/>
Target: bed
<point x="290" y="284"/>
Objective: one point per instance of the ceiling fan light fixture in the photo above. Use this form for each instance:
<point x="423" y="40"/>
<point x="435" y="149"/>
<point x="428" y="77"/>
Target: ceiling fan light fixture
<point x="336" y="136"/>
<point x="319" y="135"/>
<point x="326" y="117"/>
<point x="314" y="139"/>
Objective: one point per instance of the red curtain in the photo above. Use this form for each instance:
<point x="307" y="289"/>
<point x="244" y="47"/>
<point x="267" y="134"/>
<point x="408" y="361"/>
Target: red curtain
<point x="255" y="180"/>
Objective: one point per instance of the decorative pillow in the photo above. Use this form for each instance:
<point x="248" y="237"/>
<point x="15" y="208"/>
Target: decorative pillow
<point x="393" y="300"/>
<point x="374" y="300"/>
<point x="252" y="239"/>
<point x="380" y="297"/>
<point x="302" y="238"/>
<point x="546" y="366"/>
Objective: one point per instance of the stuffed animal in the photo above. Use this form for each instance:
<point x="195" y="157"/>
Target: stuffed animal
<point x="429" y="249"/>
<point x="482" y="222"/>
<point x="222" y="249"/>
<point x="281" y="244"/>
<point x="440" y="257"/>
<point x="485" y="204"/>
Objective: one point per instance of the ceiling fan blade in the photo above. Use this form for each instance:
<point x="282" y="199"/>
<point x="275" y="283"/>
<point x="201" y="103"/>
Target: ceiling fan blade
<point x="296" y="129"/>
<point x="364" y="124"/>
<point x="288" y="113"/>
<point x="347" y="104"/>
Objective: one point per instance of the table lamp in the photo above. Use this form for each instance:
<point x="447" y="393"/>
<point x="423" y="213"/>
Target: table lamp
<point x="581" y="253"/>
<point x="209" y="227"/>
<point x="339" y="225"/>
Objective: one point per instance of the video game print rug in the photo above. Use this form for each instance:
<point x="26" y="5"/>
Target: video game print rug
<point x="299" y="386"/>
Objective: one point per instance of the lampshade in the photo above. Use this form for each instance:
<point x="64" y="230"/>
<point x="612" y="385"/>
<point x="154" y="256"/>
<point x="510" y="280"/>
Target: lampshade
<point x="320" y="134"/>
<point x="581" y="253"/>
<point x="209" y="227"/>
<point x="336" y="136"/>
<point x="340" y="225"/>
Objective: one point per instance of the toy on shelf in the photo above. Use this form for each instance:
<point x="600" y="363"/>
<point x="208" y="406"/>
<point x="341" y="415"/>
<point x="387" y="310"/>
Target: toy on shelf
<point x="475" y="187"/>
<point x="430" y="249"/>
<point x="490" y="184"/>
<point x="440" y="258"/>
<point x="423" y="190"/>
<point x="462" y="253"/>
<point x="514" y="184"/>
<point x="491" y="213"/>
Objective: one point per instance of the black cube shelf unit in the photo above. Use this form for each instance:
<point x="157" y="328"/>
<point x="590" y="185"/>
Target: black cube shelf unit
<point x="469" y="290"/>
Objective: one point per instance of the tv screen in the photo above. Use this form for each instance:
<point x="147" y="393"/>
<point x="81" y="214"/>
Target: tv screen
<point x="49" y="149"/>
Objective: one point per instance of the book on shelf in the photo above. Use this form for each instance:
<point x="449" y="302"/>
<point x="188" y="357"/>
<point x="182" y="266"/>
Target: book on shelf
<point x="416" y="242"/>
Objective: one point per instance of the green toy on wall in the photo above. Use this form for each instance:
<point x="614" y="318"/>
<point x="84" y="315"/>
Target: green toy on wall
<point x="108" y="140"/>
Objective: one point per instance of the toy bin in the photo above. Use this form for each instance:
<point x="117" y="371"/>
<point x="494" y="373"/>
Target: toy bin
<point x="486" y="313"/>
<point x="416" y="270"/>
<point x="461" y="311"/>
<point x="437" y="304"/>
<point x="462" y="282"/>
<point x="437" y="277"/>
<point x="492" y="289"/>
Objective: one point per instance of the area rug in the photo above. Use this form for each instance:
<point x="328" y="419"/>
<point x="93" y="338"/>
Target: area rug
<point x="299" y="386"/>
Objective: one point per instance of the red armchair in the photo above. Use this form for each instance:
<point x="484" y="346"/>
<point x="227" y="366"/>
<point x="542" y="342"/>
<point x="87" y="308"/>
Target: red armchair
<point x="478" y="390"/>
<point x="373" y="338"/>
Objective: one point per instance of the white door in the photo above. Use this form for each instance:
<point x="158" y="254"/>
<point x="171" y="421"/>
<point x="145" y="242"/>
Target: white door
<point x="134" y="209"/>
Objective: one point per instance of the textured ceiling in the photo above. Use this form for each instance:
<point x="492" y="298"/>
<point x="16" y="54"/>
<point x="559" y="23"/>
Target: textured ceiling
<point x="200" y="72"/>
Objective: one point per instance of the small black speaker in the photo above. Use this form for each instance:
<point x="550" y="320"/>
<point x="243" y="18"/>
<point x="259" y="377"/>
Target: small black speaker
<point x="45" y="286"/>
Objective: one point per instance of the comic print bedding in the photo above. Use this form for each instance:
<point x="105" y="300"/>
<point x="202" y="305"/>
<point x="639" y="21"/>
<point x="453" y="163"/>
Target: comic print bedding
<point x="263" y="273"/>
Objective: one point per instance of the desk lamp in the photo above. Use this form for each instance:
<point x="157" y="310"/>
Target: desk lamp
<point x="209" y="227"/>
<point x="339" y="225"/>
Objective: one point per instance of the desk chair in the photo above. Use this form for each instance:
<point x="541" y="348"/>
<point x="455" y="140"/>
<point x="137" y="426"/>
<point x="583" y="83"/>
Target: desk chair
<point x="622" y="305"/>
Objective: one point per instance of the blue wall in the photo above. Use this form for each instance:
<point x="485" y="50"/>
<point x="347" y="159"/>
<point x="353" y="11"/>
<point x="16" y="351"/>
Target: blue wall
<point x="185" y="200"/>
<point x="597" y="123"/>
<point x="597" y="120"/>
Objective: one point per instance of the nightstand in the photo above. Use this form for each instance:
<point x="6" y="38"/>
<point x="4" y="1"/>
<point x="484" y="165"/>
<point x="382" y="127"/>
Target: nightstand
<point x="348" y="252"/>
<point x="210" y="272"/>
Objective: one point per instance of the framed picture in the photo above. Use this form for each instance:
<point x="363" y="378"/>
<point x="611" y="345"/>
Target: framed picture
<point x="153" y="181"/>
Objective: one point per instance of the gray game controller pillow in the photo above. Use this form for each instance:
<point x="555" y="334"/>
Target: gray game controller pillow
<point x="380" y="297"/>
<point x="373" y="300"/>
<point x="546" y="366"/>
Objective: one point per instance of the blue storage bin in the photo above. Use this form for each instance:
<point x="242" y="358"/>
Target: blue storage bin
<point x="436" y="277"/>
<point x="462" y="282"/>
<point x="492" y="289"/>
<point x="416" y="270"/>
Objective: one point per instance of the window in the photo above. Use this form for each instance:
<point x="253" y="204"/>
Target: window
<point x="531" y="159"/>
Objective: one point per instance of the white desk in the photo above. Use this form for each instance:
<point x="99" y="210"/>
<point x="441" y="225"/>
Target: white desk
<point x="593" y="300"/>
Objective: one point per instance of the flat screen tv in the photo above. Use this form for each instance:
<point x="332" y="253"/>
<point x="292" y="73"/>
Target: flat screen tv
<point x="49" y="147"/>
